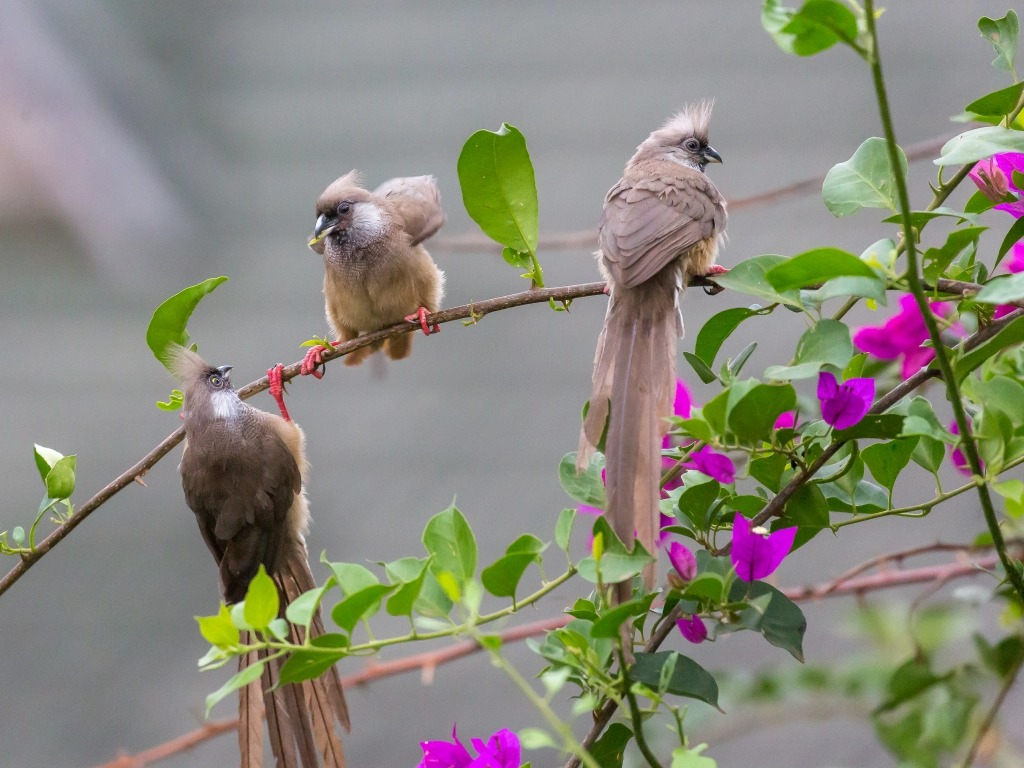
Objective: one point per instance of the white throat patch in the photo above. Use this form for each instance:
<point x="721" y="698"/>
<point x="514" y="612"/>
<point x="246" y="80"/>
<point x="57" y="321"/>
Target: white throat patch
<point x="367" y="222"/>
<point x="226" y="404"/>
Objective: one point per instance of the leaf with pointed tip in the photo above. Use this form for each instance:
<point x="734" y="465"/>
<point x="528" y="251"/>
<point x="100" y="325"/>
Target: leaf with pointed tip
<point x="167" y="326"/>
<point x="585" y="487"/>
<point x="355" y="606"/>
<point x="248" y="675"/>
<point x="1002" y="33"/>
<point x="979" y="143"/>
<point x="866" y="180"/>
<point x="688" y="679"/>
<point x="450" y="541"/>
<point x="306" y="665"/>
<point x="261" y="600"/>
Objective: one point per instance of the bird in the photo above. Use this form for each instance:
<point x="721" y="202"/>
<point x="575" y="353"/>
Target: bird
<point x="662" y="224"/>
<point x="376" y="271"/>
<point x="243" y="471"/>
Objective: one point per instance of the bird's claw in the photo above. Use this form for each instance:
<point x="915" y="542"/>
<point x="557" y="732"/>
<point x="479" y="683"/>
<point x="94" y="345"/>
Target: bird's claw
<point x="275" y="376"/>
<point x="420" y="316"/>
<point x="313" y="362"/>
<point x="714" y="270"/>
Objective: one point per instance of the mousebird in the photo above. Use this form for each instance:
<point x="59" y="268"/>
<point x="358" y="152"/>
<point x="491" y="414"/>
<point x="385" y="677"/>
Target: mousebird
<point x="376" y="271"/>
<point x="661" y="225"/>
<point x="243" y="472"/>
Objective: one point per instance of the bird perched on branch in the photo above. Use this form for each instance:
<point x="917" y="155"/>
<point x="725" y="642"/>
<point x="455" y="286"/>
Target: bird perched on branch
<point x="661" y="225"/>
<point x="243" y="471"/>
<point x="376" y="271"/>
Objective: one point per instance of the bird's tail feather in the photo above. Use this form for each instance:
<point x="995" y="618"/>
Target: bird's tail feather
<point x="302" y="717"/>
<point x="633" y="385"/>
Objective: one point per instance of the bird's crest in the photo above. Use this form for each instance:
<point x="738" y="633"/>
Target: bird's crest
<point x="185" y="364"/>
<point x="351" y="180"/>
<point x="691" y="120"/>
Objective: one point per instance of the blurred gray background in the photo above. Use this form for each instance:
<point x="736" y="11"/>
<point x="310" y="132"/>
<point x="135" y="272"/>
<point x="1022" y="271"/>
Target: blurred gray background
<point x="147" y="146"/>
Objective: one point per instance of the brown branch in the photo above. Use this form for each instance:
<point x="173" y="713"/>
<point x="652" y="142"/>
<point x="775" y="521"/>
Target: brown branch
<point x="474" y="242"/>
<point x="476" y="311"/>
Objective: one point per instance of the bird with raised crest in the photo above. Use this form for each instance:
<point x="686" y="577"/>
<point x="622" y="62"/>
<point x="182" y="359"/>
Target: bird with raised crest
<point x="243" y="471"/>
<point x="661" y="225"/>
<point x="376" y="271"/>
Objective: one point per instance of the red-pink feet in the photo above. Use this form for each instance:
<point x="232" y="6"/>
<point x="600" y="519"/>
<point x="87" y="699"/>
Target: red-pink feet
<point x="420" y="316"/>
<point x="274" y="375"/>
<point x="314" y="361"/>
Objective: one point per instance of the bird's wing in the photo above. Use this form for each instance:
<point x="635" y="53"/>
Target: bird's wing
<point x="417" y="200"/>
<point x="241" y="503"/>
<point x="648" y="222"/>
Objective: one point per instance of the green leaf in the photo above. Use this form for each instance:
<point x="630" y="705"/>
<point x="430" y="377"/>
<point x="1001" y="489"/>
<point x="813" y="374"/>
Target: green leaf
<point x="261" y="601"/>
<point x="695" y="499"/>
<point x="815" y="266"/>
<point x="1002" y="33"/>
<point x="827" y="342"/>
<point x="998" y="103"/>
<point x="817" y="26"/>
<point x="753" y="417"/>
<point x="617" y="562"/>
<point x="450" y="541"/>
<point x="248" y="675"/>
<point x="607" y="625"/>
<point x="1002" y="658"/>
<point x="45" y="459"/>
<point x="167" y="325"/>
<point x="407" y="574"/>
<point x="808" y="511"/>
<point x="610" y="749"/>
<point x="174" y="401"/>
<point x="307" y="665"/>
<point x="883" y="426"/>
<point x="774" y="615"/>
<point x="979" y="143"/>
<point x="586" y="487"/>
<point x="432" y="601"/>
<point x="750" y="277"/>
<point x="502" y="577"/>
<point x="692" y="758"/>
<point x="968" y="361"/>
<point x="929" y="453"/>
<point x="717" y="329"/>
<point x="302" y="609"/>
<point x="1002" y="290"/>
<point x="909" y="680"/>
<point x="768" y="470"/>
<point x="700" y="368"/>
<point x="937" y="260"/>
<point x="219" y="630"/>
<point x="498" y="187"/>
<point x="706" y="586"/>
<point x="563" y="528"/>
<point x="349" y="611"/>
<point x="866" y="180"/>
<point x="887" y="460"/>
<point x="351" y="577"/>
<point x="689" y="678"/>
<point x="60" y="480"/>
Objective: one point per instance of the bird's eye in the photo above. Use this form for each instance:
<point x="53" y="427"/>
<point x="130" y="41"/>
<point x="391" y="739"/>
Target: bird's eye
<point x="216" y="382"/>
<point x="691" y="145"/>
<point x="344" y="208"/>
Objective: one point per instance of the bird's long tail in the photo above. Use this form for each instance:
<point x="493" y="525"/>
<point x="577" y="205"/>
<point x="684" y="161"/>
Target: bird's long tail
<point x="634" y="377"/>
<point x="301" y="718"/>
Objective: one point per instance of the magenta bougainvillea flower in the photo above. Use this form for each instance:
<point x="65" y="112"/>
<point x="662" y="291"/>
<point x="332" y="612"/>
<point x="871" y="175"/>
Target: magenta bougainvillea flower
<point x="713" y="464"/>
<point x="682" y="560"/>
<point x="994" y="177"/>
<point x="756" y="553"/>
<point x="901" y="336"/>
<point x="502" y="750"/>
<point x="693" y="628"/>
<point x="786" y="420"/>
<point x="843" y="405"/>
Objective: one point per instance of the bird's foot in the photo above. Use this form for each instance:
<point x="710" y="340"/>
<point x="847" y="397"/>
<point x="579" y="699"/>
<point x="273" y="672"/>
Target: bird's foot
<point x="713" y="271"/>
<point x="420" y="316"/>
<point x="314" y="360"/>
<point x="275" y="377"/>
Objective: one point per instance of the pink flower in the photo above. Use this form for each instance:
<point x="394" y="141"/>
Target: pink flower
<point x="502" y="750"/>
<point x="1013" y="265"/>
<point x="757" y="553"/>
<point x="994" y="177"/>
<point x="715" y="465"/>
<point x="843" y="405"/>
<point x="693" y="628"/>
<point x="786" y="420"/>
<point x="901" y="336"/>
<point x="682" y="560"/>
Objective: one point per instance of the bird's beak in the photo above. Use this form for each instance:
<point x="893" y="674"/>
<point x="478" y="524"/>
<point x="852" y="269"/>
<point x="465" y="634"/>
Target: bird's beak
<point x="225" y="372"/>
<point x="711" y="156"/>
<point x="324" y="226"/>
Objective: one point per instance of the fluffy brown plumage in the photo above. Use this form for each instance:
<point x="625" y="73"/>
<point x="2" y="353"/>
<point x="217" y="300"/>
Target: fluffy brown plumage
<point x="376" y="270"/>
<point x="243" y="472"/>
<point x="661" y="224"/>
